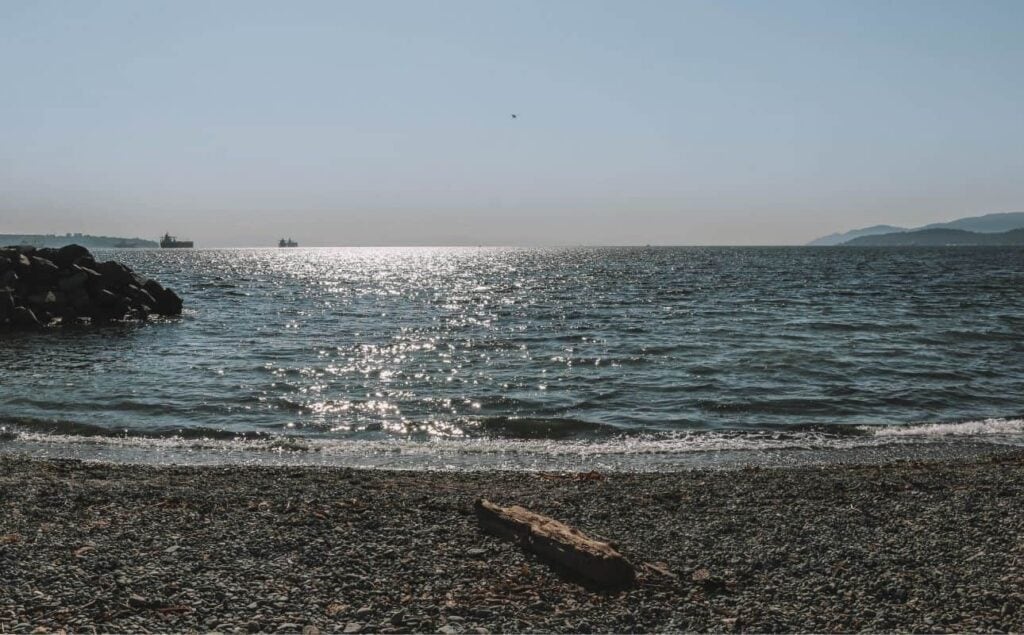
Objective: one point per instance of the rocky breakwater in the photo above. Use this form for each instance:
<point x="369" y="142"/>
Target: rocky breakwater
<point x="40" y="287"/>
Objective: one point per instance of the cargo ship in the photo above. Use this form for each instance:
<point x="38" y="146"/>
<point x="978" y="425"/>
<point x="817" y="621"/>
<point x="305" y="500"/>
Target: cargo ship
<point x="287" y="243"/>
<point x="172" y="242"/>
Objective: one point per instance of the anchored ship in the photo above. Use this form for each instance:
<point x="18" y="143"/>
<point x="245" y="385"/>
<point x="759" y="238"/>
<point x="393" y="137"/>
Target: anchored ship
<point x="287" y="243"/>
<point x="172" y="242"/>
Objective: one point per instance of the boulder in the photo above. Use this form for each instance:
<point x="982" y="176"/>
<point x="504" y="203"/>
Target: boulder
<point x="80" y="300"/>
<point x="42" y="299"/>
<point x="74" y="280"/>
<point x="44" y="271"/>
<point x="69" y="255"/>
<point x="167" y="302"/>
<point x="22" y="264"/>
<point x="24" y="317"/>
<point x="6" y="303"/>
<point x="105" y="298"/>
<point x="114" y="275"/>
<point x="40" y="286"/>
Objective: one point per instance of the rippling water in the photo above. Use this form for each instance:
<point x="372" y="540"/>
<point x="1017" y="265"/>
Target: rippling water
<point x="423" y="344"/>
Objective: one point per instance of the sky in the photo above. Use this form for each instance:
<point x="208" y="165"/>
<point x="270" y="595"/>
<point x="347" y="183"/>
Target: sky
<point x="235" y="123"/>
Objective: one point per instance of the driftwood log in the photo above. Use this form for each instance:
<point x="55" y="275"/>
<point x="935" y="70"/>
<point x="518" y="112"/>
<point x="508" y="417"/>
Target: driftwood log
<point x="593" y="559"/>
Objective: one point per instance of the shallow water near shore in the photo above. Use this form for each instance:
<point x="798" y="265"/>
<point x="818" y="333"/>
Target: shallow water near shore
<point x="534" y="358"/>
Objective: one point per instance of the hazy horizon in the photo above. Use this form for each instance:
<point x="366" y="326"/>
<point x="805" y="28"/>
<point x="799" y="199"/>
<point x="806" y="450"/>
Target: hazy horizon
<point x="390" y="123"/>
<point x="272" y="242"/>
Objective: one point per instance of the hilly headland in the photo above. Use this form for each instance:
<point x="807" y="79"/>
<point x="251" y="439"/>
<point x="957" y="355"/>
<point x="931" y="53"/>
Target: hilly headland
<point x="989" y="229"/>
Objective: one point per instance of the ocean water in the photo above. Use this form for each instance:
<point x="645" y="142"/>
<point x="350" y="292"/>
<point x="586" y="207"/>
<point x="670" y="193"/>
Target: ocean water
<point x="464" y="357"/>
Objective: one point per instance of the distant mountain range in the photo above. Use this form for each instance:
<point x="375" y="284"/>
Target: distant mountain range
<point x="938" y="237"/>
<point x="974" y="231"/>
<point x="85" y="240"/>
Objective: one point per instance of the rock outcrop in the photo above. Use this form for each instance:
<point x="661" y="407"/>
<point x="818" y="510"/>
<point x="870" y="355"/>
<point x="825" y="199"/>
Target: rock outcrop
<point x="39" y="287"/>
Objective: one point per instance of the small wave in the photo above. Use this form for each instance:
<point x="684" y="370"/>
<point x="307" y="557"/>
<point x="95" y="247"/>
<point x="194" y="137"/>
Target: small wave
<point x="16" y="427"/>
<point x="982" y="428"/>
<point x="643" y="452"/>
<point x="214" y="285"/>
<point x="543" y="428"/>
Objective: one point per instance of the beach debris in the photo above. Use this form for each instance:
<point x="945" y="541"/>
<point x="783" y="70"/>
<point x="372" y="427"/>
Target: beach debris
<point x="334" y="608"/>
<point x="592" y="475"/>
<point x="709" y="581"/>
<point x="67" y="285"/>
<point x="567" y="546"/>
<point x="658" y="568"/>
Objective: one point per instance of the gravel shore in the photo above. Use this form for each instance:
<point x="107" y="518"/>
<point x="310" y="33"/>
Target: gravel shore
<point x="908" y="546"/>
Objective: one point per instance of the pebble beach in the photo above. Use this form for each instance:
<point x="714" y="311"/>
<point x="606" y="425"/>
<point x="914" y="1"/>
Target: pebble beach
<point x="917" y="546"/>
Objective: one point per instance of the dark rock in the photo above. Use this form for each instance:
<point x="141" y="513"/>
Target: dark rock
<point x="40" y="285"/>
<point x="69" y="254"/>
<point x="114" y="274"/>
<point x="90" y="272"/>
<point x="166" y="301"/>
<point x="80" y="300"/>
<point x="43" y="299"/>
<point x="6" y="304"/>
<point x="75" y="280"/>
<point x="143" y="297"/>
<point x="105" y="298"/>
<point x="43" y="270"/>
<point x="24" y="316"/>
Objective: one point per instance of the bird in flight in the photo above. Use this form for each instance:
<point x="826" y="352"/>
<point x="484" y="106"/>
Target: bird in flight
<point x="515" y="116"/>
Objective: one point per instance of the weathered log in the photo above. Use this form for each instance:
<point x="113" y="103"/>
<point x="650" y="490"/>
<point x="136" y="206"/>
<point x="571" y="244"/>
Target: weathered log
<point x="593" y="559"/>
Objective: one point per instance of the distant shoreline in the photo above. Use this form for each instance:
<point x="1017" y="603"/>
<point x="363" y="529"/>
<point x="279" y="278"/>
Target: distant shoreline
<point x="85" y="240"/>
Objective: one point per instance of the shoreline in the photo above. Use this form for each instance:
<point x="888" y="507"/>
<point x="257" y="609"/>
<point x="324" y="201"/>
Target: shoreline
<point x="707" y="449"/>
<point x="913" y="545"/>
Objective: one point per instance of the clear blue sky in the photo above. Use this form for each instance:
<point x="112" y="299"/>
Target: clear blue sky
<point x="676" y="122"/>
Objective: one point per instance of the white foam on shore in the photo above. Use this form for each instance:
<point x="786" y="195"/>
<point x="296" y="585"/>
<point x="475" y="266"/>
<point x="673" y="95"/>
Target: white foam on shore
<point x="984" y="428"/>
<point x="626" y="453"/>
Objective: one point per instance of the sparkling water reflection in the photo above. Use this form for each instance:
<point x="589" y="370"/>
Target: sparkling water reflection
<point x="560" y="343"/>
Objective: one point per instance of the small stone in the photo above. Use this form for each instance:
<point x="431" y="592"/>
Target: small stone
<point x="353" y="627"/>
